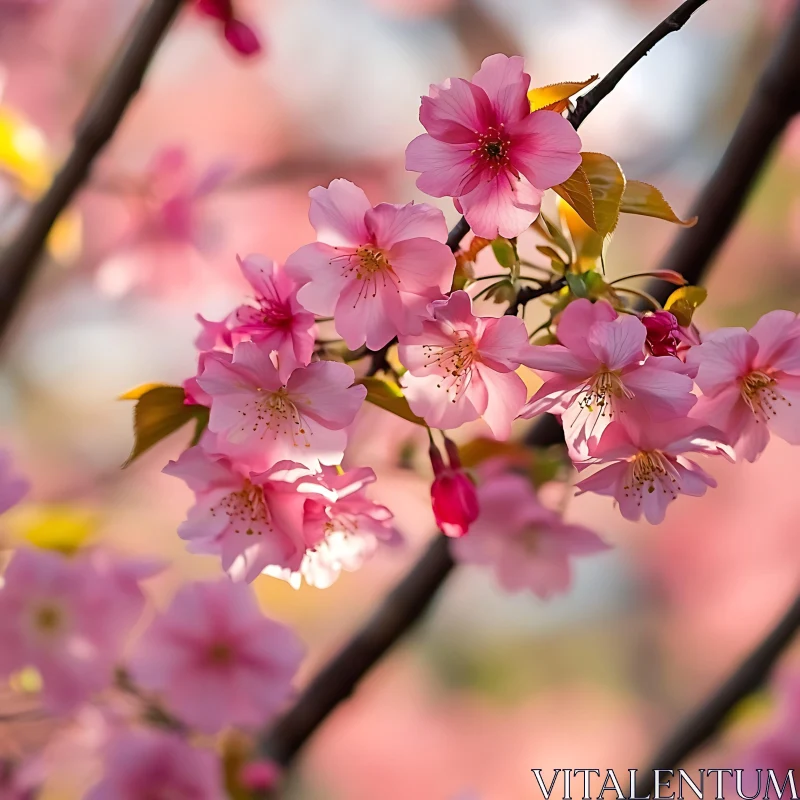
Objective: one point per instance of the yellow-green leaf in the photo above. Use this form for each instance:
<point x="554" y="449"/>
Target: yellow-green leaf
<point x="160" y="411"/>
<point x="389" y="396"/>
<point x="577" y="191"/>
<point x="607" y="182"/>
<point x="552" y="233"/>
<point x="555" y="97"/>
<point x="587" y="242"/>
<point x="505" y="253"/>
<point x="644" y="199"/>
<point x="683" y="302"/>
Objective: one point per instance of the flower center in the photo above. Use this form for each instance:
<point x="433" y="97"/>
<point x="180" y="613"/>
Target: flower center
<point x="369" y="265"/>
<point x="48" y="619"/>
<point x="454" y="363"/>
<point x="494" y="147"/>
<point x="760" y="392"/>
<point x="275" y="414"/>
<point x="220" y="654"/>
<point x="247" y="510"/>
<point x="652" y="471"/>
<point x="599" y="394"/>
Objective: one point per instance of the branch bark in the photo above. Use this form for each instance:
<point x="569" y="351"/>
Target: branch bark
<point x="95" y="127"/>
<point x="413" y="595"/>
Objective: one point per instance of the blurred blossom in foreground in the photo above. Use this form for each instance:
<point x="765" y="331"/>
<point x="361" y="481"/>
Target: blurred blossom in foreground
<point x="526" y="545"/>
<point x="216" y="659"/>
<point x="12" y="487"/>
<point x="240" y="36"/>
<point x="141" y="764"/>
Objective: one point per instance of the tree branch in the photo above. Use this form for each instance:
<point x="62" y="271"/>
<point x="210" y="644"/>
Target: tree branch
<point x="94" y="129"/>
<point x="412" y="596"/>
<point x="674" y="22"/>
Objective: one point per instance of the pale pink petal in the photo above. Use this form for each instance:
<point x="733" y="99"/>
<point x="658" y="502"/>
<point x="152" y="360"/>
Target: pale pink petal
<point x="503" y="343"/>
<point x="423" y="266"/>
<point x="575" y="321"/>
<point x="506" y="395"/>
<point x="368" y="313"/>
<point x="555" y="395"/>
<point x="723" y="358"/>
<point x="390" y="224"/>
<point x="319" y="270"/>
<point x="778" y="337"/>
<point x="258" y="271"/>
<point x="619" y="343"/>
<point x="784" y="417"/>
<point x="337" y="214"/>
<point x="545" y="149"/>
<point x="502" y="206"/>
<point x="457" y="113"/>
<point x="324" y="391"/>
<point x="659" y="392"/>
<point x="605" y="481"/>
<point x="555" y="358"/>
<point x="429" y="400"/>
<point x="447" y="169"/>
<point x="506" y="84"/>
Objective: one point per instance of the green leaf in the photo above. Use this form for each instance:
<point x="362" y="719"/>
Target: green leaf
<point x="161" y="410"/>
<point x="577" y="284"/>
<point x="607" y="182"/>
<point x="553" y="232"/>
<point x="553" y="255"/>
<point x="389" y="396"/>
<point x="644" y="199"/>
<point x="683" y="302"/>
<point x="505" y="253"/>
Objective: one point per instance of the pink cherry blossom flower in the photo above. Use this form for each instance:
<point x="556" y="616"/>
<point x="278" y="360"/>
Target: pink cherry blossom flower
<point x="643" y="467"/>
<point x="216" y="660"/>
<point x="453" y="497"/>
<point x="251" y="520"/>
<point x="341" y="531"/>
<point x="374" y="269"/>
<point x="68" y="618"/>
<point x="277" y="318"/>
<point x="527" y="546"/>
<point x="485" y="148"/>
<point x="599" y="371"/>
<point x="461" y="367"/>
<point x="263" y="419"/>
<point x="751" y="382"/>
<point x="151" y="763"/>
<point x="240" y="36"/>
<point x="12" y="487"/>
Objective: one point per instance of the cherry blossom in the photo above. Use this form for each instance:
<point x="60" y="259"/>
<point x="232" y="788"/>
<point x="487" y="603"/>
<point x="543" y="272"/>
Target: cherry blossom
<point x="643" y="467"/>
<point x="526" y="545"/>
<point x="216" y="660"/>
<point x="341" y="531"/>
<point x="12" y="487"/>
<point x="374" y="269"/>
<point x="68" y="618"/>
<point x="251" y="520"/>
<point x="453" y="497"/>
<point x="461" y="367"/>
<point x="263" y="419"/>
<point x="152" y="763"/>
<point x="751" y="382"/>
<point x="276" y="318"/>
<point x="599" y="371"/>
<point x="485" y="148"/>
<point x="240" y="36"/>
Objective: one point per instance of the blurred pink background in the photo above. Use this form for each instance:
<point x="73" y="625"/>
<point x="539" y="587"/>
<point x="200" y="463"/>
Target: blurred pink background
<point x="491" y="686"/>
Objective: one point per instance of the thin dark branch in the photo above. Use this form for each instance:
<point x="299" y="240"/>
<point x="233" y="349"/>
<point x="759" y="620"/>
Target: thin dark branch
<point x="95" y="127"/>
<point x="528" y="293"/>
<point x="674" y="22"/>
<point x="690" y="256"/>
<point x="700" y="726"/>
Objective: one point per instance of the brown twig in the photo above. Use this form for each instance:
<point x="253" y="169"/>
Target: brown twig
<point x="95" y="127"/>
<point x="412" y="597"/>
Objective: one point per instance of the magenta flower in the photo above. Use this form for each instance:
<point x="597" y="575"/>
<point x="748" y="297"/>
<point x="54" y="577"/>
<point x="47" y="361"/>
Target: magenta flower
<point x="527" y="546"/>
<point x="276" y="318"/>
<point x="643" y="467"/>
<point x="12" y="487"/>
<point x="264" y="419"/>
<point x="341" y="530"/>
<point x="141" y="764"/>
<point x="663" y="333"/>
<point x="216" y="660"/>
<point x="251" y="520"/>
<point x="453" y="497"/>
<point x="751" y="382"/>
<point x="484" y="148"/>
<point x="240" y="36"/>
<point x="461" y="367"/>
<point x="68" y="618"/>
<point x="600" y="371"/>
<point x="374" y="269"/>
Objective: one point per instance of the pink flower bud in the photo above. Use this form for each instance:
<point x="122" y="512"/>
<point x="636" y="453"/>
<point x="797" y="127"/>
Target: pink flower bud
<point x="453" y="496"/>
<point x="260" y="775"/>
<point x="662" y="333"/>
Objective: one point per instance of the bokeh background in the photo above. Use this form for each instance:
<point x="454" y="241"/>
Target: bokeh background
<point x="492" y="685"/>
